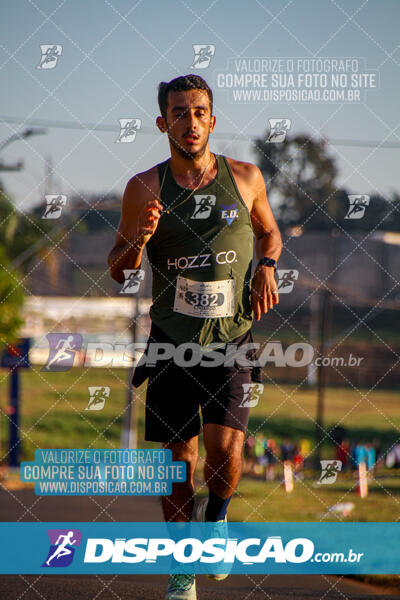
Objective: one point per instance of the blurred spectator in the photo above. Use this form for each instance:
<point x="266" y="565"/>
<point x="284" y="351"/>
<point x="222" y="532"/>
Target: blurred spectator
<point x="342" y="453"/>
<point x="359" y="454"/>
<point x="249" y="455"/>
<point x="393" y="457"/>
<point x="287" y="450"/>
<point x="305" y="449"/>
<point x="259" y="451"/>
<point x="271" y="454"/>
<point x="371" y="458"/>
<point x="298" y="462"/>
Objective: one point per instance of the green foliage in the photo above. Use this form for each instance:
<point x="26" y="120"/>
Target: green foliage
<point x="20" y="231"/>
<point x="11" y="301"/>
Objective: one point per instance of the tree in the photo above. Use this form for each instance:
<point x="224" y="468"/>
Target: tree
<point x="303" y="174"/>
<point x="11" y="301"/>
<point x="19" y="231"/>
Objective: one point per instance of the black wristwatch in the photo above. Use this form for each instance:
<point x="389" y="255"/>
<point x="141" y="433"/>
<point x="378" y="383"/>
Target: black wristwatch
<point x="267" y="262"/>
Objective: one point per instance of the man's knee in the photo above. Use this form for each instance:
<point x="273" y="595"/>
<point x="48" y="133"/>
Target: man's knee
<point x="224" y="445"/>
<point x="225" y="455"/>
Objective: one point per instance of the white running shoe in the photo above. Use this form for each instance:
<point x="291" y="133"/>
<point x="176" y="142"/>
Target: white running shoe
<point x="218" y="529"/>
<point x="181" y="587"/>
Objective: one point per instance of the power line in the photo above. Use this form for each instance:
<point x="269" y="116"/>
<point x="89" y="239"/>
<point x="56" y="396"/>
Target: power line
<point x="152" y="131"/>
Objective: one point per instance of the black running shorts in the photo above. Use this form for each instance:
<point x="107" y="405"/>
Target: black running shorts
<point x="175" y="394"/>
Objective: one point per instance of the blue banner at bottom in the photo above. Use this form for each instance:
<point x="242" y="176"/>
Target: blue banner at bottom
<point x="241" y="548"/>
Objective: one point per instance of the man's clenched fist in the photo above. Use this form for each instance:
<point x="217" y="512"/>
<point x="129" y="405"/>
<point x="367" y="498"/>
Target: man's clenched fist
<point x="148" y="221"/>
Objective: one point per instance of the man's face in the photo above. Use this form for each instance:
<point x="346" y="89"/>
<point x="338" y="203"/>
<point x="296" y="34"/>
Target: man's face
<point x="189" y="122"/>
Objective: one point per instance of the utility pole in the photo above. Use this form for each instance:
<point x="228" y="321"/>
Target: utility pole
<point x="48" y="179"/>
<point x="325" y="311"/>
<point x="313" y="335"/>
<point x="324" y="324"/>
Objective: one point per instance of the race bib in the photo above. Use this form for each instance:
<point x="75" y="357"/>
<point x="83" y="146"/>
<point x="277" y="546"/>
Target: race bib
<point x="205" y="299"/>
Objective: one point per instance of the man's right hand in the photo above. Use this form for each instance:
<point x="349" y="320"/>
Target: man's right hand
<point x="148" y="221"/>
<point x="141" y="211"/>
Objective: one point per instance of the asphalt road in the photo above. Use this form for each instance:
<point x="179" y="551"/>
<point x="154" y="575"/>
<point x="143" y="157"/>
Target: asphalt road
<point x="24" y="505"/>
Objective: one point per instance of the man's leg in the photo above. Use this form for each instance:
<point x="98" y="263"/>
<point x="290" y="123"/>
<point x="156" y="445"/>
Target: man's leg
<point x="179" y="505"/>
<point x="223" y="466"/>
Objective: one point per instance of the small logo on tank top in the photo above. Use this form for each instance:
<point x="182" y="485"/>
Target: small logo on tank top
<point x="229" y="213"/>
<point x="204" y="204"/>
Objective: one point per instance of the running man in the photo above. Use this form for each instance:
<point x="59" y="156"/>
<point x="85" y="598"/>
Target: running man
<point x="64" y="350"/>
<point x="203" y="292"/>
<point x="62" y="549"/>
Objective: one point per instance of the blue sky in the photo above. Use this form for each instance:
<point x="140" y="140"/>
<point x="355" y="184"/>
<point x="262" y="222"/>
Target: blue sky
<point x="116" y="52"/>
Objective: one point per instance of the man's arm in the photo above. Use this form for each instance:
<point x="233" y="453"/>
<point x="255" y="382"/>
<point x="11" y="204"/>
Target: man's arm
<point x="139" y="219"/>
<point x="268" y="243"/>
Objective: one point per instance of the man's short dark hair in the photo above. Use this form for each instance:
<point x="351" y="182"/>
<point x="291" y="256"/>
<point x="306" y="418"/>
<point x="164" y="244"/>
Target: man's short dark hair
<point x="181" y="84"/>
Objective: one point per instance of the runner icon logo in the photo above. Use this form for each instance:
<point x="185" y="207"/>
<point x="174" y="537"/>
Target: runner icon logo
<point x="286" y="279"/>
<point x="357" y="206"/>
<point x="278" y="130"/>
<point x="202" y="55"/>
<point x="50" y="55"/>
<point x="97" y="397"/>
<point x="62" y="547"/>
<point x="54" y="206"/>
<point x="330" y="470"/>
<point x="204" y="204"/>
<point x="63" y="348"/>
<point x="251" y="394"/>
<point x="128" y="129"/>
<point x="133" y="279"/>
